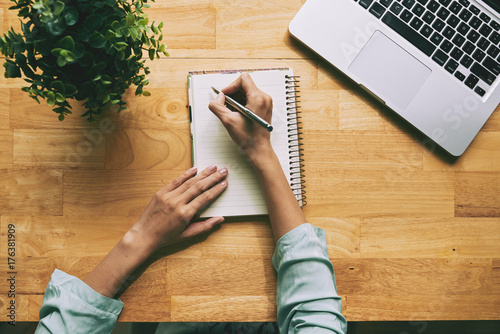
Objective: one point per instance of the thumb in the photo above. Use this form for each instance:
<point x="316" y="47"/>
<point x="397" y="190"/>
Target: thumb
<point x="218" y="107"/>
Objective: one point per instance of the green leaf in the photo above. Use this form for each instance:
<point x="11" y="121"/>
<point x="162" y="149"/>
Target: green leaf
<point x="97" y="40"/>
<point x="61" y="117"/>
<point x="94" y="22"/>
<point x="70" y="90"/>
<point x="58" y="8"/>
<point x="151" y="54"/>
<point x="61" y="61"/>
<point x="11" y="69"/>
<point x="71" y="16"/>
<point x="58" y="86"/>
<point x="67" y="43"/>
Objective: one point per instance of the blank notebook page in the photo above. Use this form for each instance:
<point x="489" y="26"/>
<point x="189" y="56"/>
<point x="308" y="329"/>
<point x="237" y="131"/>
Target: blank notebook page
<point x="212" y="144"/>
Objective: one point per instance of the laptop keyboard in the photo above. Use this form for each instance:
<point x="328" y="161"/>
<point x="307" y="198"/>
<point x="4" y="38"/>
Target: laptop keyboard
<point x="456" y="34"/>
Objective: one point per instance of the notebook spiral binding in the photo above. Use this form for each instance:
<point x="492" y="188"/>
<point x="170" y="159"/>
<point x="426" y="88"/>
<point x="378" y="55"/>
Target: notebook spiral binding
<point x="297" y="182"/>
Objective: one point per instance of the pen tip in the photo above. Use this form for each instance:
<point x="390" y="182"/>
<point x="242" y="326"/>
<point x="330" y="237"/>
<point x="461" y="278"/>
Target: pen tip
<point x="270" y="128"/>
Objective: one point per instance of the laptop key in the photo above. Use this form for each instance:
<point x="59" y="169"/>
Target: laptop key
<point x="426" y="31"/>
<point x="436" y="38"/>
<point x="446" y="46"/>
<point x="459" y="75"/>
<point x="438" y="25"/>
<point x="465" y="15"/>
<point x="445" y="2"/>
<point x="455" y="7"/>
<point x="416" y="23"/>
<point x="456" y="53"/>
<point x="459" y="40"/>
<point x="485" y="17"/>
<point x="440" y="57"/>
<point x="483" y="43"/>
<point x="479" y="91"/>
<point x="495" y="25"/>
<point x="469" y="47"/>
<point x="406" y="16"/>
<point x="408" y="3"/>
<point x="432" y="6"/>
<point x="463" y="28"/>
<point x="377" y="10"/>
<point x="475" y="22"/>
<point x="443" y="13"/>
<point x="365" y="3"/>
<point x="453" y="21"/>
<point x="396" y="8"/>
<point x="493" y="51"/>
<point x="492" y="66"/>
<point x="473" y="36"/>
<point x="465" y="3"/>
<point x="423" y="2"/>
<point x="495" y="37"/>
<point x="483" y="73"/>
<point x="418" y="10"/>
<point x="466" y="61"/>
<point x="386" y="3"/>
<point x="428" y="17"/>
<point x="448" y="32"/>
<point x="485" y="30"/>
<point x="478" y="55"/>
<point x="471" y="81"/>
<point x="408" y="33"/>
<point x="474" y="9"/>
<point x="451" y="66"/>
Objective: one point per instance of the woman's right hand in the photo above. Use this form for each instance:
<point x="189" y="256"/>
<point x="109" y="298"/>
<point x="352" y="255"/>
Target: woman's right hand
<point x="252" y="138"/>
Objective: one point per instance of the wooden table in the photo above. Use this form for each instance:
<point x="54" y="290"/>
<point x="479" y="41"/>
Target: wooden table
<point x="412" y="235"/>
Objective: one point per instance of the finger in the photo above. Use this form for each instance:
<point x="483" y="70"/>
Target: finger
<point x="184" y="187"/>
<point x="243" y="82"/>
<point x="180" y="179"/>
<point x="218" y="107"/>
<point x="204" y="185"/>
<point x="197" y="228"/>
<point x="207" y="196"/>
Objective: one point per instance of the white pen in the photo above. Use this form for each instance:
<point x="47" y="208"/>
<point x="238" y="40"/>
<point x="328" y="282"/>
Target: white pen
<point x="245" y="111"/>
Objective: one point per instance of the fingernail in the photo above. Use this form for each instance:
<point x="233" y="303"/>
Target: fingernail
<point x="223" y="171"/>
<point x="192" y="169"/>
<point x="223" y="183"/>
<point x="212" y="168"/>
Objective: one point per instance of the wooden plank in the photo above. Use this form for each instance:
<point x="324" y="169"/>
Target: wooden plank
<point x="353" y="151"/>
<point x="477" y="194"/>
<point x="481" y="156"/>
<point x="148" y="149"/>
<point x="418" y="307"/>
<point x="247" y="26"/>
<point x="180" y="17"/>
<point x="59" y="148"/>
<point x="31" y="191"/>
<point x="430" y="238"/>
<point x="342" y="235"/>
<point x="223" y="276"/>
<point x="493" y="123"/>
<point x="223" y="308"/>
<point x="357" y="193"/>
<point x="4" y="109"/>
<point x="5" y="148"/>
<point x="495" y="276"/>
<point x="319" y="109"/>
<point x="411" y="277"/>
<point x="123" y="193"/>
<point x="357" y="111"/>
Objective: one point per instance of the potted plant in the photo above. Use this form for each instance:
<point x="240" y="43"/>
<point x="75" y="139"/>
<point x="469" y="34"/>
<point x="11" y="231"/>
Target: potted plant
<point x="88" y="50"/>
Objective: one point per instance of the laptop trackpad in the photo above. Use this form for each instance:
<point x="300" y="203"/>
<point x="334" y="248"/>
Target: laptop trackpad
<point x="386" y="68"/>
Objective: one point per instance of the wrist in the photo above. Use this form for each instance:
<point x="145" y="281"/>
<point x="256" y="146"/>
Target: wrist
<point x="133" y="244"/>
<point x="260" y="156"/>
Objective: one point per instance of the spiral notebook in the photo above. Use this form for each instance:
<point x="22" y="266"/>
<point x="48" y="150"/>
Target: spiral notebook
<point x="212" y="145"/>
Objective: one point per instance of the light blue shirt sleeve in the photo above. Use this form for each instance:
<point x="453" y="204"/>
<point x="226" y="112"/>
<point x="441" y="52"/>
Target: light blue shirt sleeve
<point x="71" y="306"/>
<point x="307" y="294"/>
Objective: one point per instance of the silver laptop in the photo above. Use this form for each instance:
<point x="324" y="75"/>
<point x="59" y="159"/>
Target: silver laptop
<point x="434" y="62"/>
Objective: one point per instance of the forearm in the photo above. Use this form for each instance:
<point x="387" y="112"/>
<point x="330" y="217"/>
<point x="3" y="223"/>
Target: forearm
<point x="284" y="211"/>
<point x="111" y="273"/>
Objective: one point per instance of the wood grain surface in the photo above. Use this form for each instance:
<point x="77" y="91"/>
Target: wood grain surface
<point x="412" y="234"/>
